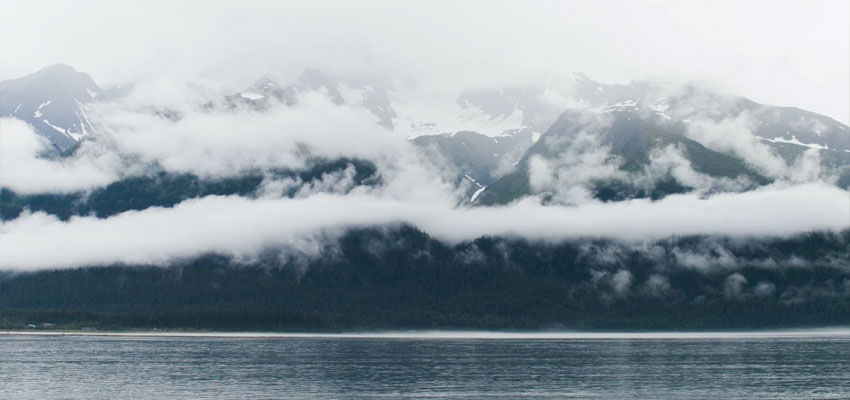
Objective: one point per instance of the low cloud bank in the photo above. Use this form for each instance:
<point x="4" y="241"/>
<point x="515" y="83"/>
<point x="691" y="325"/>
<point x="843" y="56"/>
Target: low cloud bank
<point x="182" y="136"/>
<point x="241" y="226"/>
<point x="24" y="168"/>
<point x="212" y="143"/>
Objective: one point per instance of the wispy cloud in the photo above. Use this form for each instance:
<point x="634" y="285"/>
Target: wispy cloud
<point x="241" y="226"/>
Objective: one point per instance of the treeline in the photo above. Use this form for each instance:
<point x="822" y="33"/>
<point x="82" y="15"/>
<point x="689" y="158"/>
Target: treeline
<point x="400" y="278"/>
<point x="161" y="189"/>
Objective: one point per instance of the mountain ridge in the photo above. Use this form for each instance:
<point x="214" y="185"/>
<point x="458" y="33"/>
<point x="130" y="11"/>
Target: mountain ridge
<point x="54" y="100"/>
<point x="478" y="161"/>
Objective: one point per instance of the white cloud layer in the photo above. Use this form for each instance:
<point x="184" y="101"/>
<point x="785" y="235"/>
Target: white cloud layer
<point x="214" y="144"/>
<point x="228" y="143"/>
<point x="241" y="226"/>
<point x="24" y="169"/>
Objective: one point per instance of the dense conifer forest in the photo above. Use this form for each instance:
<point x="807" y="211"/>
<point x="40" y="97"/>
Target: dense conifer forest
<point x="400" y="278"/>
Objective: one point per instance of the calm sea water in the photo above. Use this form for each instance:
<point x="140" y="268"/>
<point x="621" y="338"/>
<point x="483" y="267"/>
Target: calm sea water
<point x="469" y="367"/>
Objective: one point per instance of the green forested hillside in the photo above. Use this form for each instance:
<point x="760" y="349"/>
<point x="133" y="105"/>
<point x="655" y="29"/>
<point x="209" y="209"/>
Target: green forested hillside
<point x="167" y="189"/>
<point x="403" y="279"/>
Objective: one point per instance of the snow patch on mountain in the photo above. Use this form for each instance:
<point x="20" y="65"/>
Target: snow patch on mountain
<point x="251" y="96"/>
<point x="38" y="113"/>
<point x="419" y="118"/>
<point x="793" y="140"/>
<point x="476" y="194"/>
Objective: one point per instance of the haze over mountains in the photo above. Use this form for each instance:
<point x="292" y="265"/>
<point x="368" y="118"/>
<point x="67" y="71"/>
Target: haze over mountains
<point x="625" y="132"/>
<point x="649" y="191"/>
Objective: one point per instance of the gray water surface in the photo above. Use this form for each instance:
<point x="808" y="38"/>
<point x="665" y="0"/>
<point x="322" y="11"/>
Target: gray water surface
<point x="88" y="367"/>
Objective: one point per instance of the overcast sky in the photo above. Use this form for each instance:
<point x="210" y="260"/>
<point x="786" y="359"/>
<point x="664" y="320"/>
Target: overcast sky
<point x="777" y="52"/>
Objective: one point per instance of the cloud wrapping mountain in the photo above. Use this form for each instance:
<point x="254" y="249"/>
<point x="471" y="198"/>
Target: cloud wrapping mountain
<point x="174" y="129"/>
<point x="240" y="226"/>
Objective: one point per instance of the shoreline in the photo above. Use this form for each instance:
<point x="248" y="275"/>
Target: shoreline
<point x="833" y="332"/>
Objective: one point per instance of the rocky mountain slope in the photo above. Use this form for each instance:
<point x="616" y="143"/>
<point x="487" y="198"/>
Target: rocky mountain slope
<point x="54" y="101"/>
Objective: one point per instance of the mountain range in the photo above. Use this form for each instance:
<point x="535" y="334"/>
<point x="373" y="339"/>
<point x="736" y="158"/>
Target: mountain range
<point x="567" y="140"/>
<point x="548" y="124"/>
